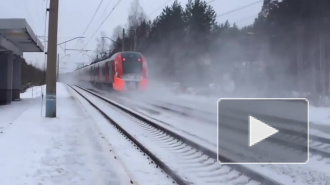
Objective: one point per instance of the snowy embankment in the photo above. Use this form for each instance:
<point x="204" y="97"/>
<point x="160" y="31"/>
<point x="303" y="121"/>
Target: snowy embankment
<point x="34" y="92"/>
<point x="317" y="115"/>
<point x="206" y="108"/>
<point x="205" y="99"/>
<point x="58" y="151"/>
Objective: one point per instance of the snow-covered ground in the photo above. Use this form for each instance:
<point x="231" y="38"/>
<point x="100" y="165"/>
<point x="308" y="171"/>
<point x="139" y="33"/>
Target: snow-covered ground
<point x="63" y="150"/>
<point x="74" y="147"/>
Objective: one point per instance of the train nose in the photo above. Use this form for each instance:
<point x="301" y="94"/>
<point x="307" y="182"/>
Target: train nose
<point x="132" y="77"/>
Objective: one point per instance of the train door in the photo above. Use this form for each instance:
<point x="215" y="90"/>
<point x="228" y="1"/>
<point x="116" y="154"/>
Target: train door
<point x="94" y="73"/>
<point x="106" y="71"/>
<point x="110" y="71"/>
<point x="86" y="74"/>
<point x="98" y="73"/>
<point x="104" y="76"/>
<point x="91" y="73"/>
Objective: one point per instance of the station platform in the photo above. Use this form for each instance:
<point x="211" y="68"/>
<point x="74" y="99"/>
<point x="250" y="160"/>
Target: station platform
<point x="67" y="149"/>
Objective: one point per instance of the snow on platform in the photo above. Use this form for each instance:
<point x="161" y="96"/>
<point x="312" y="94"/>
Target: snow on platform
<point x="8" y="113"/>
<point x="63" y="150"/>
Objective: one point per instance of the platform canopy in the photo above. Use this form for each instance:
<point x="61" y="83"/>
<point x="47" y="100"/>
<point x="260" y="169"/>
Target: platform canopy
<point x="16" y="35"/>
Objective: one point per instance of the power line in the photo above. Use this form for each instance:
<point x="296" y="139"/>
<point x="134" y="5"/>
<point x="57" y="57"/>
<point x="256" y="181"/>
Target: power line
<point x="240" y="8"/>
<point x="210" y="2"/>
<point x="102" y="23"/>
<point x="90" y="22"/>
<point x="106" y="7"/>
<point x="154" y="11"/>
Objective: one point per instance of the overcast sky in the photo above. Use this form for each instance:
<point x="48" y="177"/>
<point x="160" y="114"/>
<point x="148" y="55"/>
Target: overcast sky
<point x="74" y="16"/>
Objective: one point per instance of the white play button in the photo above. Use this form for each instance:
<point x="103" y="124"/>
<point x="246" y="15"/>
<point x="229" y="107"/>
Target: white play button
<point x="256" y="138"/>
<point x="259" y="131"/>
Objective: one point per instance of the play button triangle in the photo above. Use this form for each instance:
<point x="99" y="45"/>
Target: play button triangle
<point x="259" y="131"/>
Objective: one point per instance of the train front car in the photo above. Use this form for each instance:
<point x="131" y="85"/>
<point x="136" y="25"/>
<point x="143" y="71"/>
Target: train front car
<point x="130" y="71"/>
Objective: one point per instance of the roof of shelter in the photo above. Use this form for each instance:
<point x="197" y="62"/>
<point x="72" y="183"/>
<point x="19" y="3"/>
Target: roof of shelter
<point x="16" y="35"/>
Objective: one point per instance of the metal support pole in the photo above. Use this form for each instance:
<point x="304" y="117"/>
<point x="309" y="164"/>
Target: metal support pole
<point x="51" y="60"/>
<point x="123" y="40"/>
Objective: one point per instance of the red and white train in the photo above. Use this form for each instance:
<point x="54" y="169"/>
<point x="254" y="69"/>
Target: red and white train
<point x="123" y="71"/>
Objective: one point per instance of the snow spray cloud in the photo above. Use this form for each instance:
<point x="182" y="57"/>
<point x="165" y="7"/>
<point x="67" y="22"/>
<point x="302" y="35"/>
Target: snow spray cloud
<point x="265" y="59"/>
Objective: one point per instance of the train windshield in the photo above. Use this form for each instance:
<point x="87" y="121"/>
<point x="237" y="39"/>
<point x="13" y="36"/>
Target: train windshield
<point x="132" y="63"/>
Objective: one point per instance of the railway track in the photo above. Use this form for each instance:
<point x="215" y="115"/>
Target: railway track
<point x="196" y="164"/>
<point x="318" y="146"/>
